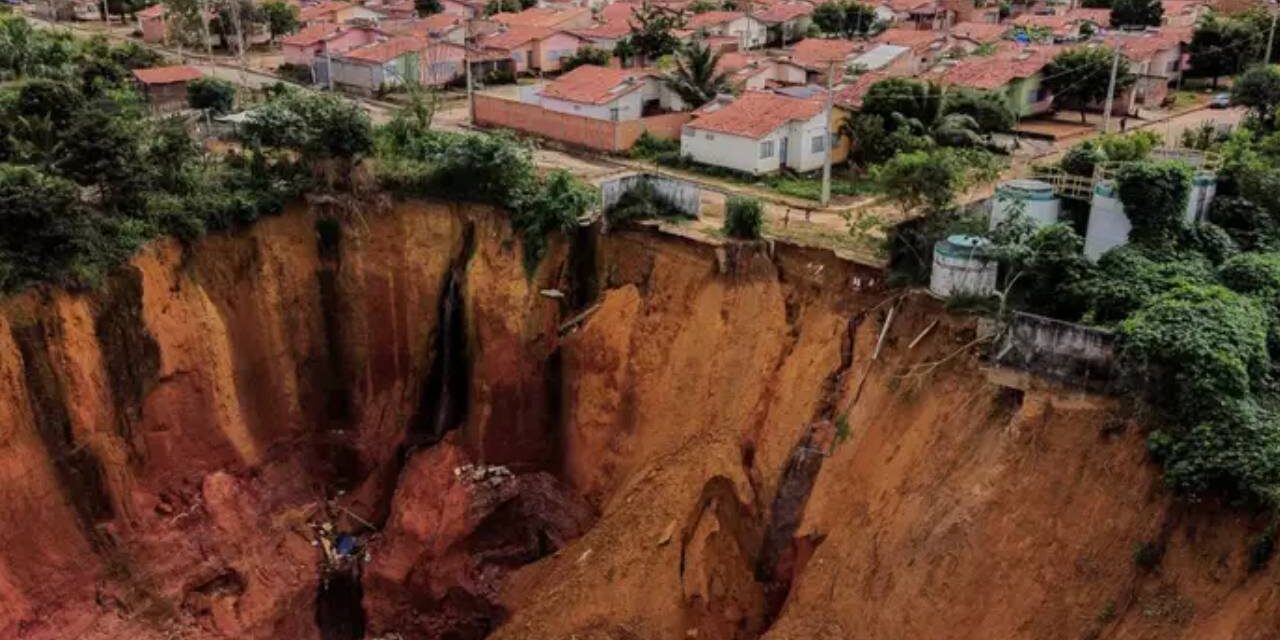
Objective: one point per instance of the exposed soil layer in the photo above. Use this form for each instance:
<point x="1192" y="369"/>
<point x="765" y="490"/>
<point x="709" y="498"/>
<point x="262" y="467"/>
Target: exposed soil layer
<point x="646" y="438"/>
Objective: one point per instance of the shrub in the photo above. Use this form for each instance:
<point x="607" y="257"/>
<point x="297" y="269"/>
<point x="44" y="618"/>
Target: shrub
<point x="211" y="94"/>
<point x="648" y="146"/>
<point x="1081" y="159"/>
<point x="1254" y="274"/>
<point x="1199" y="345"/>
<point x="1129" y="147"/>
<point x="1232" y="451"/>
<point x="641" y="202"/>
<point x="744" y="218"/>
<point x="1248" y="224"/>
<point x="1209" y="240"/>
<point x="1126" y="279"/>
<point x="585" y="55"/>
<point x="1154" y="195"/>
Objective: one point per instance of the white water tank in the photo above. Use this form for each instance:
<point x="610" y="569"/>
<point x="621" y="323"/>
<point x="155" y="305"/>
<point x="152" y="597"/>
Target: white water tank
<point x="1034" y="198"/>
<point x="962" y="265"/>
<point x="1203" y="187"/>
<point x="1108" y="226"/>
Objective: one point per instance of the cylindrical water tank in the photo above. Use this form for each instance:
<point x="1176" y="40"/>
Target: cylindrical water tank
<point x="1108" y="225"/>
<point x="1033" y="198"/>
<point x="1203" y="187"/>
<point x="962" y="265"/>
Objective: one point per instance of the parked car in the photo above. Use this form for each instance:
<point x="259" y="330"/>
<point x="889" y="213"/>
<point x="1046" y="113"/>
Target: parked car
<point x="1220" y="101"/>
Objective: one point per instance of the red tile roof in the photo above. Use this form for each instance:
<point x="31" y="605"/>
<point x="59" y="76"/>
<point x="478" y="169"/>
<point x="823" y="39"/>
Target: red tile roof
<point x="387" y="50"/>
<point x="311" y="34"/>
<point x="618" y="11"/>
<point x="980" y="32"/>
<point x="590" y="84"/>
<point x="817" y="52"/>
<point x="154" y="11"/>
<point x="317" y="11"/>
<point x="996" y="71"/>
<point x="514" y="37"/>
<point x="166" y="75"/>
<point x="712" y="18"/>
<point x="540" y="17"/>
<point x="1175" y="7"/>
<point x="432" y="25"/>
<point x="779" y="13"/>
<point x="734" y="60"/>
<point x="609" y="30"/>
<point x="1142" y="47"/>
<point x="913" y="6"/>
<point x="911" y="38"/>
<point x="851" y="95"/>
<point x="1096" y="16"/>
<point x="757" y="114"/>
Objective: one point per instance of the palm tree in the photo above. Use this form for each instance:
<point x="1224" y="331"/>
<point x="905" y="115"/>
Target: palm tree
<point x="695" y="78"/>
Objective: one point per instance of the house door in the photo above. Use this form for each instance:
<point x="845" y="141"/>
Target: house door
<point x="782" y="152"/>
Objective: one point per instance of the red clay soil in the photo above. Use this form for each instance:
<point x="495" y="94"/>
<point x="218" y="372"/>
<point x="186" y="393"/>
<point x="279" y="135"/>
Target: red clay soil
<point x="673" y="468"/>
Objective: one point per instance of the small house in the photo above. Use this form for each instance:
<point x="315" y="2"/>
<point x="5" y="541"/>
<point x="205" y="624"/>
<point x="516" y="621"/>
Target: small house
<point x="338" y="12"/>
<point x="760" y="133"/>
<point x="604" y="93"/>
<point x="165" y="88"/>
<point x="750" y="31"/>
<point x="153" y="21"/>
<point x="546" y="18"/>
<point x="786" y="22"/>
<point x="533" y="48"/>
<point x="377" y="67"/>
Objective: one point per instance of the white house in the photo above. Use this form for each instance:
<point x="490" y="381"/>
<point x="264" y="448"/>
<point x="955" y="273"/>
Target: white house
<point x="749" y="31"/>
<point x="759" y="133"/>
<point x="605" y="93"/>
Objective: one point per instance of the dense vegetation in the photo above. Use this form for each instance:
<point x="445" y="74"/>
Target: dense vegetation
<point x="88" y="174"/>
<point x="1195" y="306"/>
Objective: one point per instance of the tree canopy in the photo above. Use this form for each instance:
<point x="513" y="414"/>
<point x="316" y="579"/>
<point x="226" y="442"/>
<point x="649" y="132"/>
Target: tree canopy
<point x="1079" y="77"/>
<point x="1136" y="13"/>
<point x="211" y="94"/>
<point x="695" y="77"/>
<point x="846" y="18"/>
<point x="1259" y="90"/>
<point x="282" y="18"/>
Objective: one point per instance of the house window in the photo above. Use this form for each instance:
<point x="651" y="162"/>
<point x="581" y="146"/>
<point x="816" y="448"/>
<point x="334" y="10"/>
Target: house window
<point x="819" y="144"/>
<point x="613" y="113"/>
<point x="708" y="136"/>
<point x="766" y="149"/>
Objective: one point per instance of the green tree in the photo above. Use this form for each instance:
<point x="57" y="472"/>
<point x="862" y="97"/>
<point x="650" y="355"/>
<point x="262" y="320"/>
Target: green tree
<point x="211" y="94"/>
<point x="844" y="18"/>
<point x="1082" y="159"/>
<point x="1130" y="277"/>
<point x="1080" y="76"/>
<point x="585" y="55"/>
<point x="282" y="18"/>
<point x="990" y="110"/>
<point x="703" y="6"/>
<point x="46" y="230"/>
<point x="931" y="179"/>
<point x="695" y="77"/>
<point x="1136" y="13"/>
<point x="428" y="7"/>
<point x="653" y="33"/>
<point x="743" y="218"/>
<point x="1259" y="90"/>
<point x="898" y="99"/>
<point x="1222" y="47"/>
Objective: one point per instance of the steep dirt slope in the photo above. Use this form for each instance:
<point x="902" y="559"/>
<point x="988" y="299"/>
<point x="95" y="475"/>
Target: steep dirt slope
<point x="956" y="508"/>
<point x="710" y="448"/>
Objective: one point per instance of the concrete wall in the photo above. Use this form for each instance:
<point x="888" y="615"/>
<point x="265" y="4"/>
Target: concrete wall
<point x="683" y="195"/>
<point x="590" y="133"/>
<point x="1055" y="349"/>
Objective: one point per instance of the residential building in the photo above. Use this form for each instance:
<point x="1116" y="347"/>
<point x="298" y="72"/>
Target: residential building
<point x="336" y="11"/>
<point x="534" y="49"/>
<point x="302" y="47"/>
<point x="316" y="45"/>
<point x="380" y="66"/>
<point x="604" y="93"/>
<point x="749" y="31"/>
<point x="1014" y="73"/>
<point x="819" y="55"/>
<point x="153" y="21"/>
<point x="850" y="96"/>
<point x="441" y="26"/>
<point x="753" y="71"/>
<point x="1155" y="59"/>
<point x="971" y="36"/>
<point x="786" y="22"/>
<point x="605" y="35"/>
<point x="1184" y="13"/>
<point x="395" y="10"/>
<point x="467" y="9"/>
<point x="925" y="15"/>
<point x="1057" y="28"/>
<point x="165" y="88"/>
<point x="888" y="58"/>
<point x="547" y="18"/>
<point x="926" y="47"/>
<point x="760" y="133"/>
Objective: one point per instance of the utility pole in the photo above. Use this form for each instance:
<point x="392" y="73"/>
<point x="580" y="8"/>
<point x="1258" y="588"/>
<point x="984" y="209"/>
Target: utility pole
<point x="203" y="7"/>
<point x="466" y="62"/>
<point x="1271" y="37"/>
<point x="106" y="15"/>
<point x="826" y="143"/>
<point x="235" y="18"/>
<point x="1111" y="91"/>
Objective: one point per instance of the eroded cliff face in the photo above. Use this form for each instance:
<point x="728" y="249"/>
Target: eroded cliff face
<point x="692" y="441"/>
